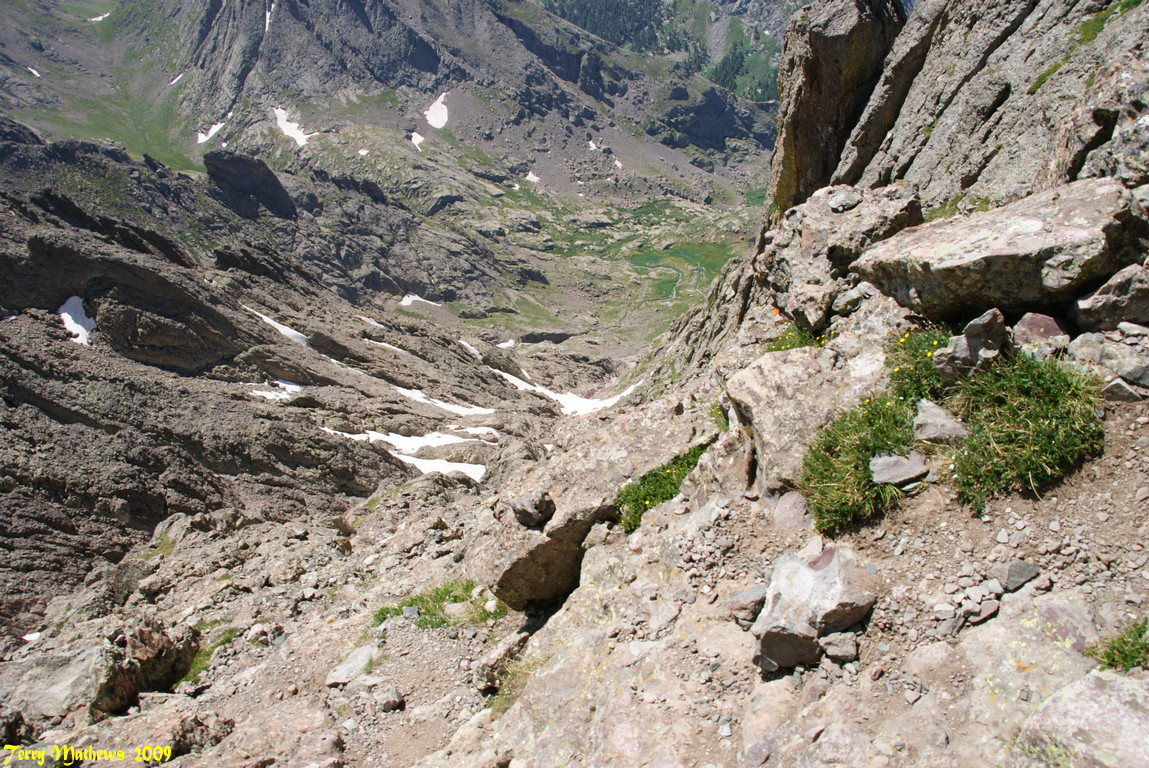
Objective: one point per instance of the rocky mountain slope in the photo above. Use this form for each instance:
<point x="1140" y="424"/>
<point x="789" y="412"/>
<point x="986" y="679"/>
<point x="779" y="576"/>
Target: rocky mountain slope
<point x="285" y="589"/>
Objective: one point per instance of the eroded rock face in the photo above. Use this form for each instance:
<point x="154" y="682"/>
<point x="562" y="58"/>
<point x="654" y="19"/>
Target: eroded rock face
<point x="812" y="594"/>
<point x="995" y="102"/>
<point x="1038" y="252"/>
<point x="831" y="59"/>
<point x="534" y="554"/>
<point x="101" y="679"/>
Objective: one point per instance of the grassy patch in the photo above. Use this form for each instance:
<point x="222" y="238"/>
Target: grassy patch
<point x="164" y="546"/>
<point x="718" y="413"/>
<point x="203" y="655"/>
<point x="1030" y="422"/>
<point x="1125" y="651"/>
<point x="653" y="488"/>
<point x="432" y="602"/>
<point x="512" y="680"/>
<point x="1044" y="76"/>
<point x="836" y="470"/>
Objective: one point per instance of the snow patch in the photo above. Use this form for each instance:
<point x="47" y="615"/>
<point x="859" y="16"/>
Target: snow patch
<point x="76" y="320"/>
<point x="436" y="114"/>
<point x="532" y="178"/>
<point x="515" y="186"/>
<point x="202" y="137"/>
<point x="290" y="129"/>
<point x="572" y="405"/>
<point x="385" y="345"/>
<point x="34" y="72"/>
<point x="473" y="471"/>
<point x="416" y="139"/>
<point x="101" y="17"/>
<point x="508" y="344"/>
<point x="31" y="638"/>
<point x="289" y="386"/>
<point x="404" y="445"/>
<point x="411" y="298"/>
<point x="375" y="323"/>
<point x="618" y="164"/>
<point x="363" y="153"/>
<point x="461" y="410"/>
<point x="271" y="394"/>
<point x="176" y="79"/>
<point x="267" y="17"/>
<point x="592" y="145"/>
<point x="471" y="349"/>
<point x="290" y="333"/>
<point x="477" y="430"/>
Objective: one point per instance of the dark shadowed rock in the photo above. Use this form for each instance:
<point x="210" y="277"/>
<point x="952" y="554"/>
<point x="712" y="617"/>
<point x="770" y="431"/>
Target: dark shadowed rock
<point x="1124" y="298"/>
<point x="247" y="183"/>
<point x="831" y="58"/>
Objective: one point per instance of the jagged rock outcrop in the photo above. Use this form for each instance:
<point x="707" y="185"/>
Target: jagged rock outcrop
<point x="995" y="102"/>
<point x="831" y="59"/>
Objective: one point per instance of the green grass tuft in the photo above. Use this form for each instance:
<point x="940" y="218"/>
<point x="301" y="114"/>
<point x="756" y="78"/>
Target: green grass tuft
<point x="432" y="602"/>
<point x="1030" y="422"/>
<point x="795" y="337"/>
<point x="512" y="680"/>
<point x="836" y="470"/>
<point x="718" y="413"/>
<point x="1125" y="651"/>
<point x="203" y="655"/>
<point x="163" y="547"/>
<point x="654" y="488"/>
<point x="910" y="366"/>
<point x="1044" y="76"/>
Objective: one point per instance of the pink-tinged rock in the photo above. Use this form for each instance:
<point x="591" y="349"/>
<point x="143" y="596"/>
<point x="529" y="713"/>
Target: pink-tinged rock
<point x="1042" y="250"/>
<point x="1040" y="335"/>
<point x="1101" y="720"/>
<point x="1124" y="298"/>
<point x="792" y="512"/>
<point x="810" y="596"/>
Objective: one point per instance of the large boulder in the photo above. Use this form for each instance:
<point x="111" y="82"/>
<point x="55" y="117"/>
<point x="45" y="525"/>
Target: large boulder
<point x="1125" y="297"/>
<point x="101" y="679"/>
<point x="786" y="397"/>
<point x="1101" y="720"/>
<point x="1042" y="251"/>
<point x="813" y="593"/>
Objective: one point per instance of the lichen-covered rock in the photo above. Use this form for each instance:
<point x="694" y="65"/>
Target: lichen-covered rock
<point x="1042" y="251"/>
<point x="1100" y="720"/>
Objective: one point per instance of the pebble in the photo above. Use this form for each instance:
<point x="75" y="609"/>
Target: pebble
<point x="1002" y="536"/>
<point x="912" y="696"/>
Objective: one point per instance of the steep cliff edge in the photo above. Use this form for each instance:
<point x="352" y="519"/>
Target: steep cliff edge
<point x="973" y="103"/>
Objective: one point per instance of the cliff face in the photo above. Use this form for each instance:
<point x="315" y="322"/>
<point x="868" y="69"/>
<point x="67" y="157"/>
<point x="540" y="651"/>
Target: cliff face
<point x="831" y="59"/>
<point x="974" y="101"/>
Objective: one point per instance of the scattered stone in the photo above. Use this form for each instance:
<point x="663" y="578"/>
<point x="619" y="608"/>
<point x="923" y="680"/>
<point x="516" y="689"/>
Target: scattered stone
<point x="912" y="696"/>
<point x="933" y="424"/>
<point x="1118" y="391"/>
<point x="810" y="597"/>
<point x="389" y="698"/>
<point x="745" y="605"/>
<point x="1014" y="574"/>
<point x="840" y="646"/>
<point x="898" y="470"/>
<point x="985" y="610"/>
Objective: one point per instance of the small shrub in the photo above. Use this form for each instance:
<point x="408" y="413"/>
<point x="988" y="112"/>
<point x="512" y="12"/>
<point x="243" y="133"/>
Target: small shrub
<point x="797" y="337"/>
<point x="718" y="413"/>
<point x="512" y="680"/>
<point x="431" y="603"/>
<point x="1030" y="422"/>
<point x="653" y="488"/>
<point x="1125" y="651"/>
<point x="203" y="655"/>
<point x="836" y="470"/>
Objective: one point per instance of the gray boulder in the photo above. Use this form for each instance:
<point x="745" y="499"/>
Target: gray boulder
<point x="983" y="339"/>
<point x="1109" y="354"/>
<point x="1125" y="297"/>
<point x="1043" y="250"/>
<point x="933" y="424"/>
<point x="1100" y="720"/>
<point x="745" y="605"/>
<point x="351" y="667"/>
<point x="812" y="594"/>
<point x="898" y="470"/>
